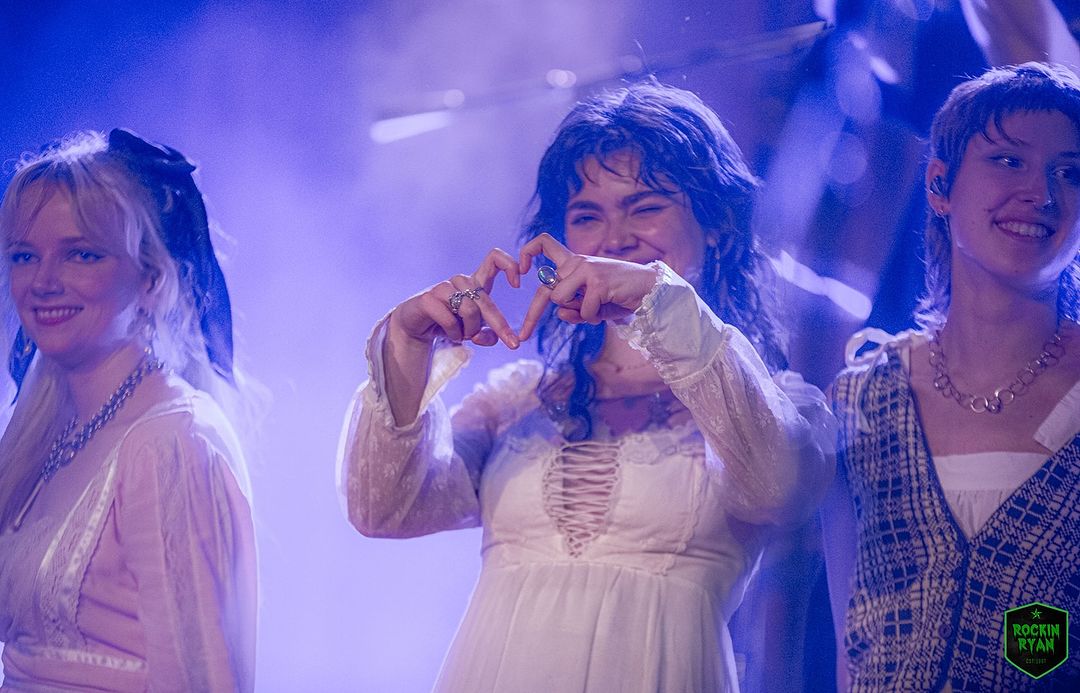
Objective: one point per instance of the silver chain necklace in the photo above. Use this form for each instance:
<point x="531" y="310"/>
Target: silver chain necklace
<point x="1051" y="354"/>
<point x="69" y="442"/>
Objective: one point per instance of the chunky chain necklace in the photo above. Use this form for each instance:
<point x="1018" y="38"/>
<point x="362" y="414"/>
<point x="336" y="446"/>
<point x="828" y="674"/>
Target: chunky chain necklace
<point x="70" y="442"/>
<point x="1052" y="352"/>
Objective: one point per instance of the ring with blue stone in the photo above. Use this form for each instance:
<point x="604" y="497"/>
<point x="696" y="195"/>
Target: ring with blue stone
<point x="547" y="276"/>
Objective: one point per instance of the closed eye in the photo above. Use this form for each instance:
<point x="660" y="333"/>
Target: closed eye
<point x="582" y="219"/>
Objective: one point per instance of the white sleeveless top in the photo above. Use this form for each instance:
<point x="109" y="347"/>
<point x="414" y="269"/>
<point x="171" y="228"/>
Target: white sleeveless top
<point x="975" y="484"/>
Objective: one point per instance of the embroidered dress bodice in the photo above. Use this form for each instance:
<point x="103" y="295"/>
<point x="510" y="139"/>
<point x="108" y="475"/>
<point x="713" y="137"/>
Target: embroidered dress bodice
<point x="608" y="564"/>
<point x="148" y="581"/>
<point x="931" y="587"/>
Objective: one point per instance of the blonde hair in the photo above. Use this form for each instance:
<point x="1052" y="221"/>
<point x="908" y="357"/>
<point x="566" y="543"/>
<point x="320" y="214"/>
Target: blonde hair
<point x="111" y="206"/>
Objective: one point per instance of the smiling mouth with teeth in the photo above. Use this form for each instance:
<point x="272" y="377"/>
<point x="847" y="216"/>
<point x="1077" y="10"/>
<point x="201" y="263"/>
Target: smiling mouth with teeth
<point x="55" y="314"/>
<point x="1020" y="228"/>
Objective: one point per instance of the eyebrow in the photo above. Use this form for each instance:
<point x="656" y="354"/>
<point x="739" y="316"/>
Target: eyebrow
<point x="1017" y="142"/>
<point x="628" y="201"/>
<point x="66" y="241"/>
<point x="1059" y="155"/>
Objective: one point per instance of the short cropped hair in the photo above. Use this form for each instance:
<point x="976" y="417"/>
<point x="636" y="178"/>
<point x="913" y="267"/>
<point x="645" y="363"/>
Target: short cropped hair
<point x="971" y="108"/>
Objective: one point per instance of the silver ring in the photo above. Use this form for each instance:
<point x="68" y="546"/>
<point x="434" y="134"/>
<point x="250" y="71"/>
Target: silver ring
<point x="455" y="301"/>
<point x="458" y="297"/>
<point x="547" y="276"/>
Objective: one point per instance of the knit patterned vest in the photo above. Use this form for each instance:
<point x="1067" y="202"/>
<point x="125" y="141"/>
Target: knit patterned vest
<point x="928" y="604"/>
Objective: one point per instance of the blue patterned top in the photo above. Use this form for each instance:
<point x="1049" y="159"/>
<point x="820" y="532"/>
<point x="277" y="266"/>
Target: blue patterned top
<point x="928" y="604"/>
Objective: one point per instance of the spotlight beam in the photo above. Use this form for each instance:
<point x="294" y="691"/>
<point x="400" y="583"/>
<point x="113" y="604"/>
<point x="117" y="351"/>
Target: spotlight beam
<point x="434" y="110"/>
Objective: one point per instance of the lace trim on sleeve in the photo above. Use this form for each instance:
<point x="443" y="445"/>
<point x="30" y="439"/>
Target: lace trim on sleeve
<point x="447" y="362"/>
<point x="674" y="329"/>
<point x="400" y="481"/>
<point x="403" y="483"/>
<point x="424" y="477"/>
<point x="770" y="454"/>
<point x="633" y="330"/>
<point x="754" y="434"/>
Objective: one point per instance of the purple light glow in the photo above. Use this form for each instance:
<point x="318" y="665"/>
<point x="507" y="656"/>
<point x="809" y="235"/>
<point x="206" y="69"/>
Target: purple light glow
<point x="340" y="206"/>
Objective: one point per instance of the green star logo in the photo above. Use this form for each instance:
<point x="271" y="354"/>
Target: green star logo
<point x="1036" y="638"/>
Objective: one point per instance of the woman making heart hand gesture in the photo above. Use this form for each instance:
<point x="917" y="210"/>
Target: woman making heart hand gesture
<point x="626" y="485"/>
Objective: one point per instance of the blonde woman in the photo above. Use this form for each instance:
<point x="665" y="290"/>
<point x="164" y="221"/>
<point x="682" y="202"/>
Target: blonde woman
<point x="127" y="559"/>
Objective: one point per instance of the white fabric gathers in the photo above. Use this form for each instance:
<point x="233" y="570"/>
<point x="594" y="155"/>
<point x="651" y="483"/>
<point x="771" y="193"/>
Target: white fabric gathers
<point x="611" y="564"/>
<point x="976" y="484"/>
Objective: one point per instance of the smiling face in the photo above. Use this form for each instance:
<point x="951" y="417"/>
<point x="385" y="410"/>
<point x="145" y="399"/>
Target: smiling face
<point x="1014" y="205"/>
<point x="75" y="296"/>
<point x="615" y="215"/>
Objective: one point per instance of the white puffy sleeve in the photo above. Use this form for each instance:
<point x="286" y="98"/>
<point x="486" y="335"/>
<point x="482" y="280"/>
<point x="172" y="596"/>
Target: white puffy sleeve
<point x="184" y="523"/>
<point x="771" y="438"/>
<point x="424" y="476"/>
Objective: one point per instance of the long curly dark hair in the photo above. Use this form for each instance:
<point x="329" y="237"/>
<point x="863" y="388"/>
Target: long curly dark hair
<point x="680" y="142"/>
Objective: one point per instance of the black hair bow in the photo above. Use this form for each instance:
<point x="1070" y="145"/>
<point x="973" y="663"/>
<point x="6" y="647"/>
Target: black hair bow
<point x="166" y="173"/>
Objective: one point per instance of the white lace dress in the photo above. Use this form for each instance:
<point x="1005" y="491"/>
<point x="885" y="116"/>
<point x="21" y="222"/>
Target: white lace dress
<point x="608" y="565"/>
<point x="148" y="583"/>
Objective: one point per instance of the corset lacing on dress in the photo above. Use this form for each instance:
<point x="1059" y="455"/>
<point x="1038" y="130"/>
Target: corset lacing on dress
<point x="579" y="482"/>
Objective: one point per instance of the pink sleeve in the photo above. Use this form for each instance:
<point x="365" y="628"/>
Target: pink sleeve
<point x="186" y="532"/>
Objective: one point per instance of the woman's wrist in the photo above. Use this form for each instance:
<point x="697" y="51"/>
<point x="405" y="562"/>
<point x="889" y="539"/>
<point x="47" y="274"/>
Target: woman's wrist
<point x="402" y="341"/>
<point x="646" y="278"/>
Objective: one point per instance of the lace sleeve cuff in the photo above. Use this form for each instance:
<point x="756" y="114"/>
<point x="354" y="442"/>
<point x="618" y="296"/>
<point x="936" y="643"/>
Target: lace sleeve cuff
<point x="447" y="362"/>
<point x="404" y="480"/>
<point x="674" y="328"/>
